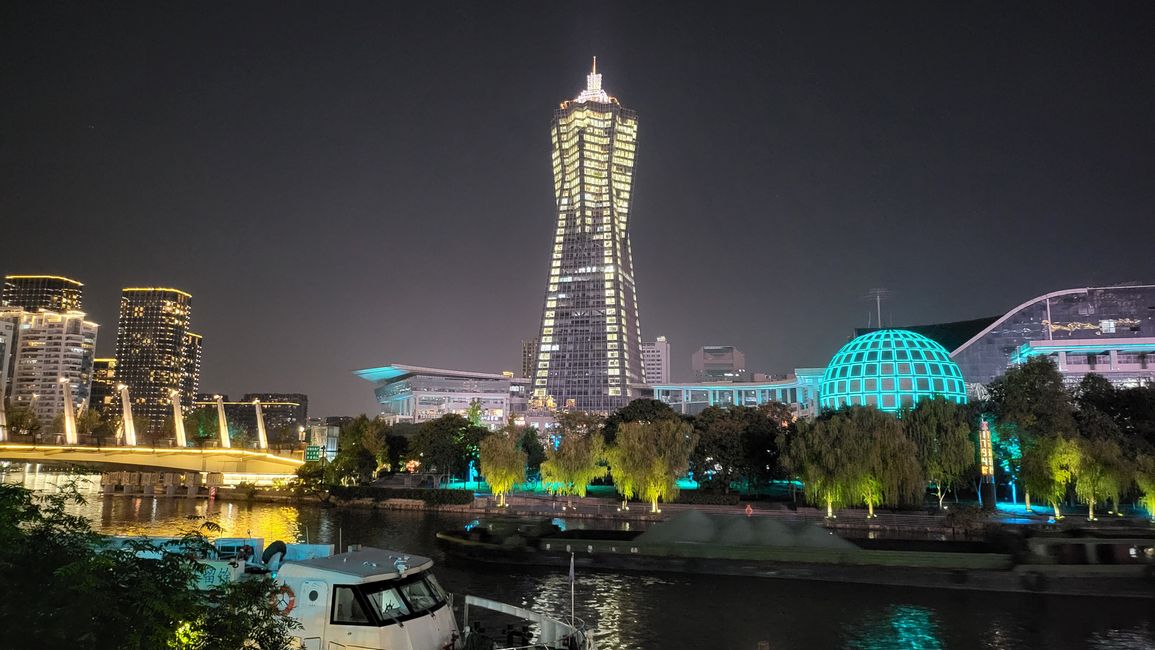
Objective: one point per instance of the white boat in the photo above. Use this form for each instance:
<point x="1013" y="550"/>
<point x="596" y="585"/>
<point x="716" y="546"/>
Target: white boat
<point x="377" y="599"/>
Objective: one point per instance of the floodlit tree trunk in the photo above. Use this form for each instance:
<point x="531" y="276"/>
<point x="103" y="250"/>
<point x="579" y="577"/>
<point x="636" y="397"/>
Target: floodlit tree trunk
<point x="941" y="495"/>
<point x="829" y="508"/>
<point x="1090" y="510"/>
<point x="870" y="510"/>
<point x="1027" y="495"/>
<point x="654" y="505"/>
<point x="625" y="504"/>
<point x="1055" y="505"/>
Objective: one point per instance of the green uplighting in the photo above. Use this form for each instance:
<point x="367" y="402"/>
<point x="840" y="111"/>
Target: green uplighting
<point x="889" y="369"/>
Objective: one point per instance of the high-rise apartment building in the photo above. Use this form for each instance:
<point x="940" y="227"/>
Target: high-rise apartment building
<point x="656" y="361"/>
<point x="590" y="344"/>
<point x="103" y="395"/>
<point x="719" y="363"/>
<point x="51" y="352"/>
<point x="36" y="292"/>
<point x="528" y="357"/>
<point x="155" y="351"/>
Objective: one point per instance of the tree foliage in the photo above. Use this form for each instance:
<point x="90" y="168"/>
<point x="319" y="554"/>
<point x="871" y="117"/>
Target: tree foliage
<point x="941" y="432"/>
<point x="576" y="460"/>
<point x="447" y="445"/>
<point x="638" y="410"/>
<point x="652" y="457"/>
<point x="76" y="592"/>
<point x="502" y="461"/>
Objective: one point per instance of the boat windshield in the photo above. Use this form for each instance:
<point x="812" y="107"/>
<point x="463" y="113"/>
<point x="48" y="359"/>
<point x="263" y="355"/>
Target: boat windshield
<point x="400" y="600"/>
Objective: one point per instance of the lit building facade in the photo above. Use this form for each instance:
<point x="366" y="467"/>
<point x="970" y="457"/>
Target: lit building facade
<point x="799" y="391"/>
<point x="590" y="339"/>
<point x="1081" y="328"/>
<point x="103" y="396"/>
<point x="528" y="357"/>
<point x="153" y="348"/>
<point x="719" y="363"/>
<point x="416" y="394"/>
<point x="51" y="353"/>
<point x="48" y="292"/>
<point x="656" y="361"/>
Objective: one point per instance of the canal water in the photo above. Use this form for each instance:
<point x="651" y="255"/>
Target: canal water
<point x="637" y="610"/>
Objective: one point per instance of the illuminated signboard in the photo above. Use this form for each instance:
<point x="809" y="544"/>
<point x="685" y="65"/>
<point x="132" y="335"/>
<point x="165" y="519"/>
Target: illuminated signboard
<point x="986" y="455"/>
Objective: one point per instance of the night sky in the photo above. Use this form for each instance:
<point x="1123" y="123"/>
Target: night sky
<point x="342" y="185"/>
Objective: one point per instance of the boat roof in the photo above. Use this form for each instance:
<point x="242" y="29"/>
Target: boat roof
<point x="377" y="563"/>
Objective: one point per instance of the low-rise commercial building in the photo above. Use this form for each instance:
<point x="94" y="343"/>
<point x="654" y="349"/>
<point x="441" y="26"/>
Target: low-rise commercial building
<point x="799" y="391"/>
<point x="417" y="394"/>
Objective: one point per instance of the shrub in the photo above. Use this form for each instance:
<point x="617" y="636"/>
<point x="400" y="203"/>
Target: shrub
<point x="429" y="496"/>
<point x="708" y="498"/>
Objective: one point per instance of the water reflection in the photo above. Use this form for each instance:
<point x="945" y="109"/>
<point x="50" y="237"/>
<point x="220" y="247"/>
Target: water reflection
<point x="899" y="626"/>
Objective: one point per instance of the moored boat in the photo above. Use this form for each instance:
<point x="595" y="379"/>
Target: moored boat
<point x="372" y="599"/>
<point x="694" y="542"/>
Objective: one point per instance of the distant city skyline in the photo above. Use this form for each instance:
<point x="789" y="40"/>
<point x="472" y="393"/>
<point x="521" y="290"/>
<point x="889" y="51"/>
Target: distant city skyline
<point x="342" y="188"/>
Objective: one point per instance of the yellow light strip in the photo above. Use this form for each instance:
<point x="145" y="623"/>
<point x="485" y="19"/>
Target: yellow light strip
<point x="42" y="277"/>
<point x="149" y="450"/>
<point x="183" y="293"/>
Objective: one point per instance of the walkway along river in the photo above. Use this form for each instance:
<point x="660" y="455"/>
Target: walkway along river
<point x="633" y="610"/>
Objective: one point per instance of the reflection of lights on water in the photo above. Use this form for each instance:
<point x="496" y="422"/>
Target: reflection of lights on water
<point x="165" y="516"/>
<point x="901" y="626"/>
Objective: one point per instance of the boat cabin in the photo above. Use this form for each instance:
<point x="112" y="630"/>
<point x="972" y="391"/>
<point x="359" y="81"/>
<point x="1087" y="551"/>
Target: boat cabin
<point x="367" y="599"/>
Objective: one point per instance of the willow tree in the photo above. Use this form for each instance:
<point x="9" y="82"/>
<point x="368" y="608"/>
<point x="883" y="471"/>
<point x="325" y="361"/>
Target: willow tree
<point x="816" y="455"/>
<point x="886" y="467"/>
<point x="576" y="459"/>
<point x="1145" y="479"/>
<point x="653" y="456"/>
<point x="623" y="471"/>
<point x="1101" y="473"/>
<point x="502" y="462"/>
<point x="1049" y="465"/>
<point x="940" y="431"/>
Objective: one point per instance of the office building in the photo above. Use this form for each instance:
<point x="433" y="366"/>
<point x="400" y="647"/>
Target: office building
<point x="656" y="361"/>
<point x="416" y="394"/>
<point x="156" y="352"/>
<point x="7" y="344"/>
<point x="51" y="352"/>
<point x="589" y="354"/>
<point x="528" y="357"/>
<point x="103" y="396"/>
<point x="714" y="363"/>
<point x="48" y="292"/>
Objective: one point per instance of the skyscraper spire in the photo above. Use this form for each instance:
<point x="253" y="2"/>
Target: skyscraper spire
<point x="593" y="91"/>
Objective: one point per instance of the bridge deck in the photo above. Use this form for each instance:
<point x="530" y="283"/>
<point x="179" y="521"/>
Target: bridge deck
<point x="238" y="461"/>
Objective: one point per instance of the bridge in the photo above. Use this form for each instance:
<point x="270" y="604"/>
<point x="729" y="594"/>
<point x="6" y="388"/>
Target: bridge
<point x="223" y="460"/>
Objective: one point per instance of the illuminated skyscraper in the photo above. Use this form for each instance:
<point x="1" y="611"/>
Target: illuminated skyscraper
<point x="155" y="351"/>
<point x="590" y="344"/>
<point x="49" y="292"/>
<point x="103" y="396"/>
<point x="52" y="352"/>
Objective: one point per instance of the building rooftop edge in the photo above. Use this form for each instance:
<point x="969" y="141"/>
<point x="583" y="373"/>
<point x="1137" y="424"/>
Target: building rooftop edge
<point x="43" y="277"/>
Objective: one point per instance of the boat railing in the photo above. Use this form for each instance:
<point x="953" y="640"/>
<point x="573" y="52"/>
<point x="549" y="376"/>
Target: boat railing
<point x="552" y="632"/>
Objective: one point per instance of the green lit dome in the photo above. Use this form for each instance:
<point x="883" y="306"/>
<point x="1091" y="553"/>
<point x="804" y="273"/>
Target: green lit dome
<point x="889" y="369"/>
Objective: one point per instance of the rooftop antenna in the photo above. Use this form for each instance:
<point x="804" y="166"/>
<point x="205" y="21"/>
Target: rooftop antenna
<point x="595" y="70"/>
<point x="877" y="294"/>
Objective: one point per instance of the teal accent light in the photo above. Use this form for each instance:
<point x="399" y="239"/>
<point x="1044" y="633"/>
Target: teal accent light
<point x="889" y="369"/>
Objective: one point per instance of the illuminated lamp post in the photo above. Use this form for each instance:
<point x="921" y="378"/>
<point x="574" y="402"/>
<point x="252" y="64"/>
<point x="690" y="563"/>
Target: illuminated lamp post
<point x="262" y="435"/>
<point x="126" y="415"/>
<point x="222" y="422"/>
<point x="178" y="419"/>
<point x="70" y="437"/>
